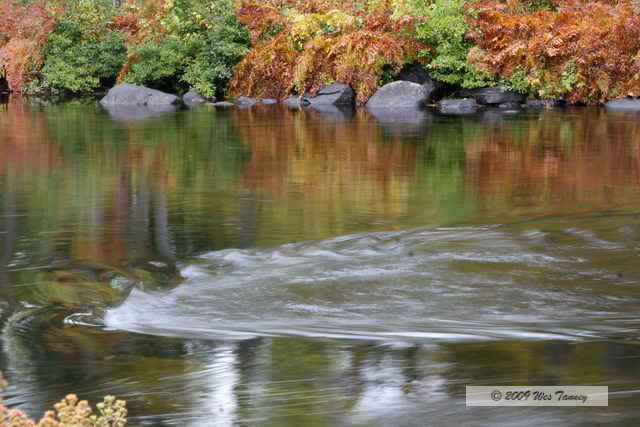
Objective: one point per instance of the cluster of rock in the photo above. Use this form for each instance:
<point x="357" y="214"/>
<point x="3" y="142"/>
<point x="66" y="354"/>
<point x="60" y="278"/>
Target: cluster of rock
<point x="412" y="90"/>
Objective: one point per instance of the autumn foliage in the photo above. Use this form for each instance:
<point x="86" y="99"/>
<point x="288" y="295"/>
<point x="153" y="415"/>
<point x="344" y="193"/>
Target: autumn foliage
<point x="588" y="51"/>
<point x="24" y="29"/>
<point x="301" y="45"/>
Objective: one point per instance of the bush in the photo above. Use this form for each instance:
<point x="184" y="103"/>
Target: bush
<point x="83" y="51"/>
<point x="443" y="25"/>
<point x="181" y="45"/>
<point x="585" y="50"/>
<point x="302" y="45"/>
<point x="24" y="29"/>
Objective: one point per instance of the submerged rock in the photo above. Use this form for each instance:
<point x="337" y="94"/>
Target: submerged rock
<point x="400" y="94"/>
<point x="193" y="98"/>
<point x="509" y="105"/>
<point x="333" y="94"/>
<point x="623" y="104"/>
<point x="128" y="94"/>
<point x="223" y="104"/>
<point x="541" y="103"/>
<point x="492" y="95"/>
<point x="295" y="102"/>
<point x="458" y="106"/>
<point x="245" y="101"/>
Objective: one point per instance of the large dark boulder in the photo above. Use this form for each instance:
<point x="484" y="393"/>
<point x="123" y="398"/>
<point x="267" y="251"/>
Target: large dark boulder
<point x="458" y="106"/>
<point x="492" y="95"/>
<point x="623" y="105"/>
<point x="416" y="73"/>
<point x="193" y="98"/>
<point x="399" y="94"/>
<point x="128" y="94"/>
<point x="333" y="94"/>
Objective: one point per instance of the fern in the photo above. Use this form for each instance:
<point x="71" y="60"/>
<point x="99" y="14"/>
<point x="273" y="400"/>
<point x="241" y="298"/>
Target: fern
<point x="586" y="50"/>
<point x="321" y="42"/>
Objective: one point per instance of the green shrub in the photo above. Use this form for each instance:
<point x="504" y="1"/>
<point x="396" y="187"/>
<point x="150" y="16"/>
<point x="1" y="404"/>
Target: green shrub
<point x="160" y="65"/>
<point x="186" y="45"/>
<point x="82" y="51"/>
<point x="442" y="24"/>
<point x="221" y="49"/>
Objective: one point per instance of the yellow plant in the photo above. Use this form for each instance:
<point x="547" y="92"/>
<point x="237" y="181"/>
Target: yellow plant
<point x="69" y="412"/>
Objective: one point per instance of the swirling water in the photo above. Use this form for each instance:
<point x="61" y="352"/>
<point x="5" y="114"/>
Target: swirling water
<point x="282" y="267"/>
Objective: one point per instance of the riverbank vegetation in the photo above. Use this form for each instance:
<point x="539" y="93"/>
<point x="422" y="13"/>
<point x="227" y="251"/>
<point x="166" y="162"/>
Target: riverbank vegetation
<point x="68" y="412"/>
<point x="586" y="51"/>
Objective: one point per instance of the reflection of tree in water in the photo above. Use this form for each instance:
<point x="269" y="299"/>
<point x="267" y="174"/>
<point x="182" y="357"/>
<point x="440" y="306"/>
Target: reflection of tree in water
<point x="591" y="156"/>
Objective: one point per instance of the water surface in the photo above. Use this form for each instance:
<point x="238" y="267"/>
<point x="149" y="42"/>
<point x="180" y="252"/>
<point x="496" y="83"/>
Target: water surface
<point x="285" y="267"/>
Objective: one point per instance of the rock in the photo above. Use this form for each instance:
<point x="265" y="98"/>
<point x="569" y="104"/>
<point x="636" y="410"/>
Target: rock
<point x="128" y="94"/>
<point x="399" y="94"/>
<point x="193" y="99"/>
<point x="295" y="102"/>
<point x="416" y="73"/>
<point x="269" y="101"/>
<point x="457" y="106"/>
<point x="510" y="105"/>
<point x="334" y="94"/>
<point x="244" y="101"/>
<point x="492" y="95"/>
<point x="540" y="103"/>
<point x="223" y="104"/>
<point x="623" y="105"/>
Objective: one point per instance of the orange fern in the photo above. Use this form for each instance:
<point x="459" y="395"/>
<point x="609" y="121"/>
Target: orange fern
<point x="323" y="41"/>
<point x="588" y="50"/>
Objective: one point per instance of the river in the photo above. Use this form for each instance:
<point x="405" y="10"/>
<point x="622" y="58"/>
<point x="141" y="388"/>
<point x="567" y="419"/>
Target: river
<point x="268" y="266"/>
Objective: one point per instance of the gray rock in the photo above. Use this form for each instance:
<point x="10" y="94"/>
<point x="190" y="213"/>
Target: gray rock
<point x="295" y="102"/>
<point x="269" y="101"/>
<point x="492" y="95"/>
<point x="128" y="94"/>
<point x="540" y="103"/>
<point x="416" y="73"/>
<point x="399" y="94"/>
<point x="333" y="94"/>
<point x="457" y="106"/>
<point x="193" y="99"/>
<point x="623" y="104"/>
<point x="246" y="101"/>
